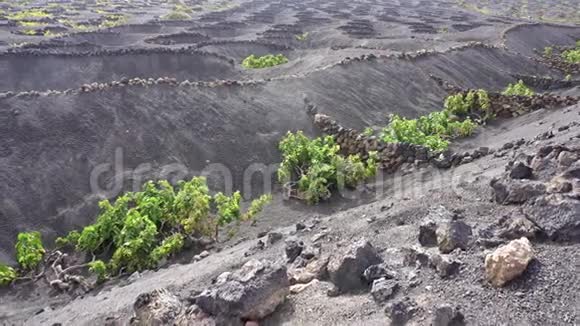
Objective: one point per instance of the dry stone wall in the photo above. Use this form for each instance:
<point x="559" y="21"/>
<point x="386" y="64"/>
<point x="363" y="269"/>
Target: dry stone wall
<point x="393" y="155"/>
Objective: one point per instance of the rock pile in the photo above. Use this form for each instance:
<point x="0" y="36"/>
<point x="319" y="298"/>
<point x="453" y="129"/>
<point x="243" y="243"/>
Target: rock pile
<point x="273" y="46"/>
<point x="545" y="83"/>
<point x="410" y="55"/>
<point x="556" y="62"/>
<point x="548" y="190"/>
<point x="504" y="106"/>
<point x="131" y="82"/>
<point x="191" y="50"/>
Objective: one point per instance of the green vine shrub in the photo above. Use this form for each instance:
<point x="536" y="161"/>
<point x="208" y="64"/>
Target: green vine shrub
<point x="7" y="275"/>
<point x="29" y="254"/>
<point x="432" y="131"/>
<point x="471" y="102"/>
<point x="314" y="167"/>
<point x="141" y="229"/>
<point x="519" y="89"/>
<point x="572" y="56"/>
<point x="266" y="61"/>
<point x="436" y="129"/>
<point x="29" y="250"/>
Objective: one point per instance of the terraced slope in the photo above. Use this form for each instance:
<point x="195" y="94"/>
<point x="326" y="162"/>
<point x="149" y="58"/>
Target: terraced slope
<point x="87" y="114"/>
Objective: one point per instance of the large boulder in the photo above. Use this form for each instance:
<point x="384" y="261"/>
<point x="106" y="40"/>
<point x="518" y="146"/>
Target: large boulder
<point x="452" y="235"/>
<point x="520" y="170"/>
<point x="251" y="293"/>
<point x="511" y="191"/>
<point x="346" y="270"/>
<point x="557" y="215"/>
<point x="508" y="262"/>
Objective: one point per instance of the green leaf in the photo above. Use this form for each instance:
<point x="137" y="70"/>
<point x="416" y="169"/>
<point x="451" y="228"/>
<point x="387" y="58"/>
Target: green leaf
<point x="99" y="268"/>
<point x="7" y="275"/>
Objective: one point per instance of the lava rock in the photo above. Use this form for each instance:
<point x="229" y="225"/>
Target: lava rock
<point x="516" y="191"/>
<point x="346" y="270"/>
<point x="428" y="233"/>
<point x="415" y="256"/>
<point x="333" y="291"/>
<point x="508" y="262"/>
<point x="520" y="171"/>
<point x="309" y="252"/>
<point x="559" y="185"/>
<point x="300" y="226"/>
<point x="444" y="160"/>
<point x="401" y="311"/>
<point x="557" y="215"/>
<point x="445" y="265"/>
<point x="452" y="235"/>
<point x="445" y="315"/>
<point x="250" y="293"/>
<point x="466" y="159"/>
<point x="515" y="226"/>
<point x="160" y="307"/>
<point x="375" y="272"/>
<point x="507" y="145"/>
<point x="274" y="237"/>
<point x="566" y="158"/>
<point x="481" y="151"/>
<point x="260" y="245"/>
<point x="319" y="236"/>
<point x="315" y="269"/>
<point x="384" y="289"/>
<point x="297" y="288"/>
<point x="293" y="249"/>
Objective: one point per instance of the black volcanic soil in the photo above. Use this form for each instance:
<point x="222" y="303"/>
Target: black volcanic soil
<point x="56" y="130"/>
